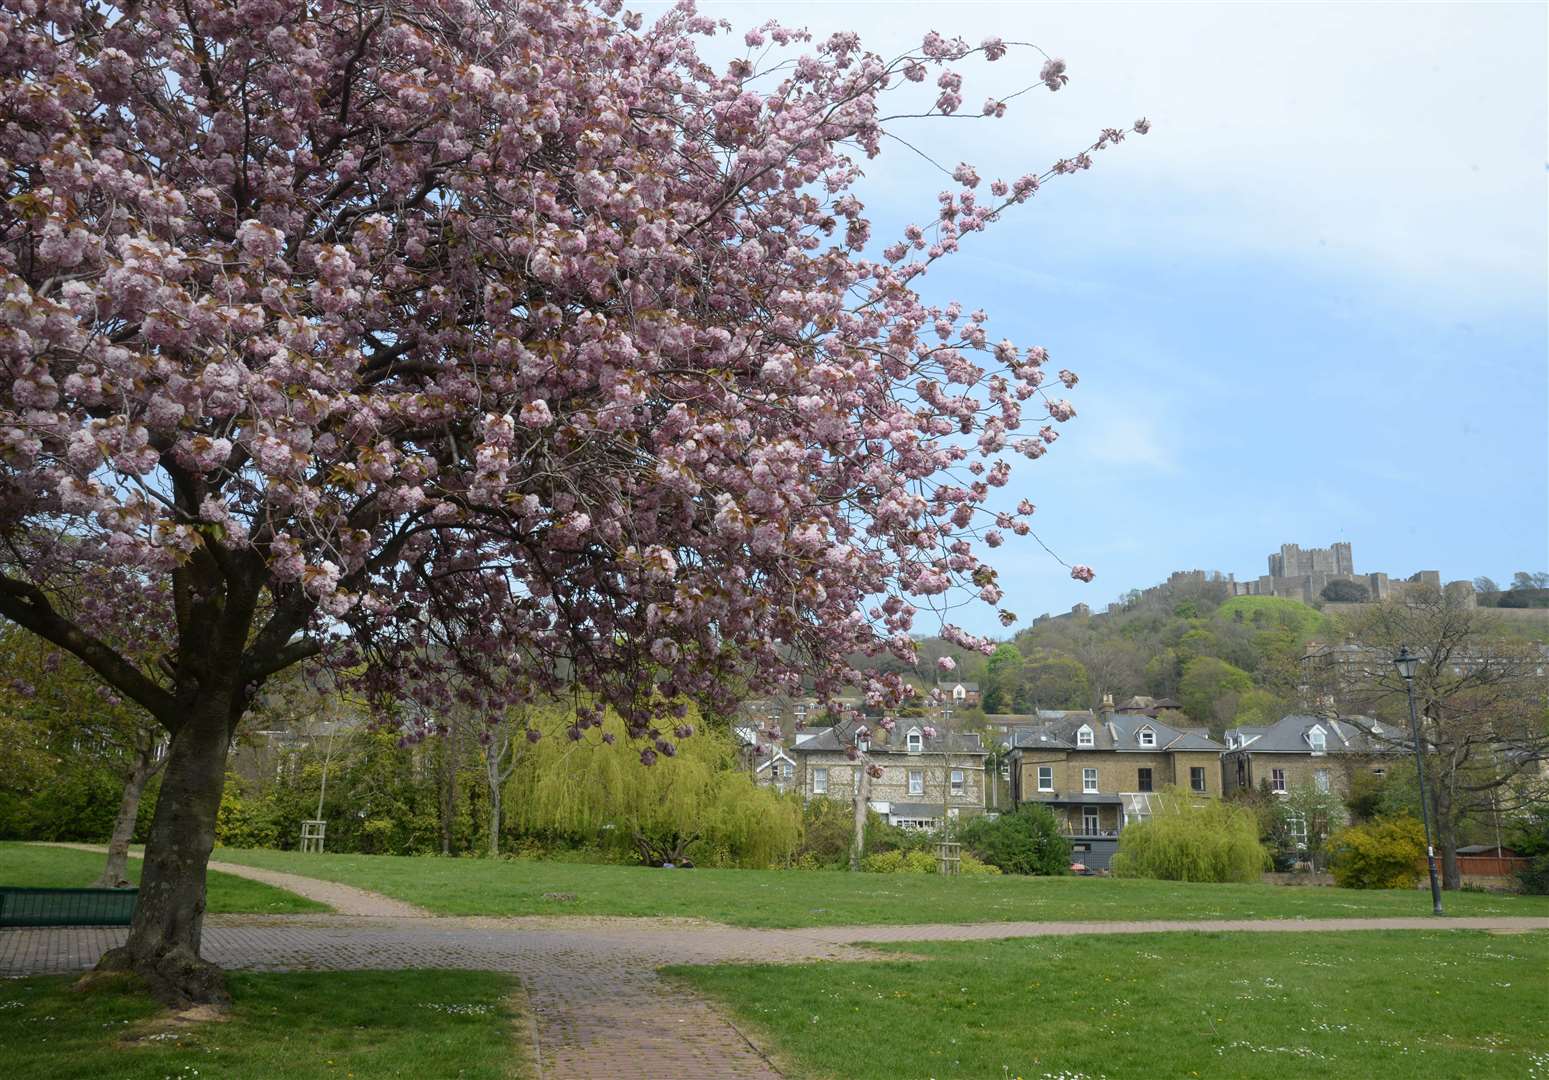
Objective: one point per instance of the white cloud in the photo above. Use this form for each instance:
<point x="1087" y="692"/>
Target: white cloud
<point x="1403" y="143"/>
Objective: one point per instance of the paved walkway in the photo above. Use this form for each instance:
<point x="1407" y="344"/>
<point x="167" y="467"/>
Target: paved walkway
<point x="599" y="1009"/>
<point x="344" y="899"/>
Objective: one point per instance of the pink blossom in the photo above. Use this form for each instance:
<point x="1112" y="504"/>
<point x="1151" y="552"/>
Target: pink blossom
<point x="536" y="414"/>
<point x="1082" y="572"/>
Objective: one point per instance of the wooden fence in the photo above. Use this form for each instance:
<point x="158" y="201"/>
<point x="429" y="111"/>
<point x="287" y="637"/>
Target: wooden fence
<point x="1489" y="865"/>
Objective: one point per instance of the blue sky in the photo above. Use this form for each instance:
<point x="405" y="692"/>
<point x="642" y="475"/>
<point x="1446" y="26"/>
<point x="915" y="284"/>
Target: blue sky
<point x="1310" y="305"/>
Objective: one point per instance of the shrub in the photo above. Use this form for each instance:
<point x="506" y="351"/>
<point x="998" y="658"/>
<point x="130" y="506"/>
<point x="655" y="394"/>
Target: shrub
<point x="1535" y="876"/>
<point x="971" y="865"/>
<point x="1190" y="839"/>
<point x="900" y="862"/>
<point x="920" y="861"/>
<point x="1026" y="841"/>
<point x="1531" y="838"/>
<point x="1387" y="854"/>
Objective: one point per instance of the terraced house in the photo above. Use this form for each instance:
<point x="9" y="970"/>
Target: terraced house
<point x="1098" y="775"/>
<point x="924" y="777"/>
<point x="1300" y="749"/>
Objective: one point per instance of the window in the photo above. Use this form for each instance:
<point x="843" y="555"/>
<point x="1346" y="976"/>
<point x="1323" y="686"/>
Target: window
<point x="785" y="770"/>
<point x="1321" y="779"/>
<point x="1296" y="825"/>
<point x="1005" y="770"/>
<point x="1089" y="823"/>
<point x="1242" y="773"/>
<point x="916" y="742"/>
<point x="957" y="781"/>
<point x="917" y="781"/>
<point x="1046" y="778"/>
<point x="1088" y="779"/>
<point x="1317" y="740"/>
<point x="1379" y="772"/>
<point x="820" y="781"/>
<point x="1277" y="779"/>
<point x="1196" y="778"/>
<point x="1146" y="737"/>
<point x="1143" y="781"/>
<point x="863" y="743"/>
<point x="1084" y="736"/>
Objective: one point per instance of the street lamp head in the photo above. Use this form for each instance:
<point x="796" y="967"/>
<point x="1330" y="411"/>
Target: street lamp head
<point x="1406" y="662"/>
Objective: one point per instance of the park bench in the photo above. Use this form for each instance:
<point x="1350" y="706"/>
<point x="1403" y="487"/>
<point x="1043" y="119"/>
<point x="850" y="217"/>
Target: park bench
<point x="66" y="907"/>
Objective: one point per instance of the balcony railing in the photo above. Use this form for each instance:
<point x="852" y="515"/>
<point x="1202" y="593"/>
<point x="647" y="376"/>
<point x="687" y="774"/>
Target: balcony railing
<point x="1103" y="832"/>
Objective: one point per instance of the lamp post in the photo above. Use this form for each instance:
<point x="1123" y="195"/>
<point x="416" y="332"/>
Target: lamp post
<point x="1407" y="663"/>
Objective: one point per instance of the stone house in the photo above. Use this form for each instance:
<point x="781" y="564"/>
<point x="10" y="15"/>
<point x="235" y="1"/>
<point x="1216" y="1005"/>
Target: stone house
<point x="922" y="776"/>
<point x="1099" y="775"/>
<point x="776" y="769"/>
<point x="1301" y="749"/>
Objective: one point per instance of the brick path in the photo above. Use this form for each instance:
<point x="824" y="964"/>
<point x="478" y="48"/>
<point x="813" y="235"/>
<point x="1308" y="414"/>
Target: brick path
<point x="599" y="1010"/>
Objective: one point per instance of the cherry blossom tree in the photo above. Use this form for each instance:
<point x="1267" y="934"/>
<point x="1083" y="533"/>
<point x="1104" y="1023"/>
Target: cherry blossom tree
<point x="478" y="347"/>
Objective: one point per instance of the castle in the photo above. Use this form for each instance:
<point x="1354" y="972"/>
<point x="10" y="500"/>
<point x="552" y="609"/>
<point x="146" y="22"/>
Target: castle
<point x="1299" y="574"/>
<point x="1304" y="574"/>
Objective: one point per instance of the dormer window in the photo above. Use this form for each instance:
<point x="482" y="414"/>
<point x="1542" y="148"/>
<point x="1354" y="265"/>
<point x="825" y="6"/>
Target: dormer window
<point x="1084" y="736"/>
<point x="1146" y="737"/>
<point x="1317" y="740"/>
<point x="915" y="742"/>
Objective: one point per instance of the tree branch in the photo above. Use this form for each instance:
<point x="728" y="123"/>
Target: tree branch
<point x="27" y="606"/>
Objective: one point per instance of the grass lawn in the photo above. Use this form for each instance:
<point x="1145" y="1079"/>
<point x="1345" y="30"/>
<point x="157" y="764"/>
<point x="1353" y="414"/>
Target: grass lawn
<point x="1380" y="1006"/>
<point x="299" y="1025"/>
<point x="833" y="898"/>
<point x="66" y="868"/>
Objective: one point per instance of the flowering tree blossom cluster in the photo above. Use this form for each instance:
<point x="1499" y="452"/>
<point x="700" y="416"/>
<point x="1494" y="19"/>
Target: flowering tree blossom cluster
<point x="486" y="349"/>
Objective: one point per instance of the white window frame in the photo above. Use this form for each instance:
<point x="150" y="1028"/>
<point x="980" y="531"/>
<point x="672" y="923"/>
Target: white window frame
<point x="1088" y="780"/>
<point x="958" y="781"/>
<point x="1150" y="778"/>
<point x="1084" y="736"/>
<point x="915" y="742"/>
<point x="1094" y="815"/>
<point x="1146" y="736"/>
<point x="1322" y="780"/>
<point x="1318" y="741"/>
<point x="1296" y="826"/>
<point x="1277" y="781"/>
<point x="1049" y="769"/>
<point x="917" y="781"/>
<point x="1204" y="781"/>
<point x="819" y="780"/>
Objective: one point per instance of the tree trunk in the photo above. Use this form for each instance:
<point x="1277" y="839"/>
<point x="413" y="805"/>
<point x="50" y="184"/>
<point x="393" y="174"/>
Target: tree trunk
<point x="1446" y="839"/>
<point x="862" y="789"/>
<point x="145" y="766"/>
<point x="164" y="936"/>
<point x="494" y="818"/>
<point x="447" y="782"/>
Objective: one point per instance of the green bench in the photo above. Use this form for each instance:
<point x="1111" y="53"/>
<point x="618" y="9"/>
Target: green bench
<point x="66" y="907"/>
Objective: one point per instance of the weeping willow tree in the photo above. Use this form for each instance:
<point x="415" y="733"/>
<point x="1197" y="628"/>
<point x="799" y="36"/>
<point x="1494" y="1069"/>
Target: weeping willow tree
<point x="1189" y="839"/>
<point x="695" y="806"/>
